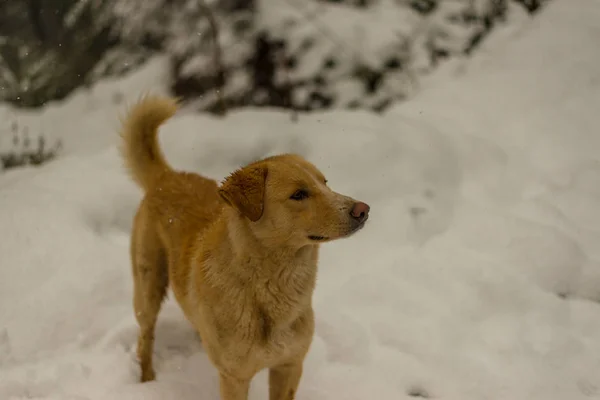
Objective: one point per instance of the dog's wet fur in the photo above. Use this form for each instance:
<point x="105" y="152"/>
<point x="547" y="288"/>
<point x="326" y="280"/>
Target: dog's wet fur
<point x="240" y="257"/>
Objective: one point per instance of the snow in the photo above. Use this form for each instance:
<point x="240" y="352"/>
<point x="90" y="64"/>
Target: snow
<point x="478" y="276"/>
<point x="88" y="119"/>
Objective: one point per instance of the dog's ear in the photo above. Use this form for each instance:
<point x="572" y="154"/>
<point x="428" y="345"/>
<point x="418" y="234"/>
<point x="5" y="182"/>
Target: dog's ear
<point x="245" y="191"/>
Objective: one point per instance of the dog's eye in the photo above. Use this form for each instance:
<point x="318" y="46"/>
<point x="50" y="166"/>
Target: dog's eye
<point x="299" y="195"/>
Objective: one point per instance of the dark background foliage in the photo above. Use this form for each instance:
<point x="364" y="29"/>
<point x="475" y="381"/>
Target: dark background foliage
<point x="48" y="49"/>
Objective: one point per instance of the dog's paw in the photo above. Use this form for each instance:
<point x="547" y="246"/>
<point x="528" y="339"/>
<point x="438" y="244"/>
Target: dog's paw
<point x="148" y="375"/>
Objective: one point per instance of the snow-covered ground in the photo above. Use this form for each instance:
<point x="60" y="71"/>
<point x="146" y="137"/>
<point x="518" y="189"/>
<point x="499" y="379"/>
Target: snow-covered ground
<point x="478" y="276"/>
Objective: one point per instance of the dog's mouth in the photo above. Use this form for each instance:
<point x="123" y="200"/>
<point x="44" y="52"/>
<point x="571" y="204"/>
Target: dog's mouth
<point x="316" y="238"/>
<point x="351" y="231"/>
<point x="357" y="227"/>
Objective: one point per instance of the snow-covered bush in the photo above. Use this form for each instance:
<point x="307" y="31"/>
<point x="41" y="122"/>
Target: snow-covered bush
<point x="306" y="55"/>
<point x="340" y="53"/>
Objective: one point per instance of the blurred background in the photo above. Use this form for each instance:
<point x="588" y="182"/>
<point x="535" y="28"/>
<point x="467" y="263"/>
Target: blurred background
<point x="225" y="54"/>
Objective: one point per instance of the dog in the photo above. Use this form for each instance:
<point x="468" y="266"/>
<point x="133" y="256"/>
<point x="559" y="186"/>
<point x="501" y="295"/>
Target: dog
<point x="240" y="257"/>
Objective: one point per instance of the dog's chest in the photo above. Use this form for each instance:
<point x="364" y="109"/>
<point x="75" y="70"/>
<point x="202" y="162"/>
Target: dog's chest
<point x="278" y="337"/>
<point x="282" y="315"/>
<point x="264" y="319"/>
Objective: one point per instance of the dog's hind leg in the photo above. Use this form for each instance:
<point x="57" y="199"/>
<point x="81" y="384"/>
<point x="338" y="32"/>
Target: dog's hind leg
<point x="150" y="277"/>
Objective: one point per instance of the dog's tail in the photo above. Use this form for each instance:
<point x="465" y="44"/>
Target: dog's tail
<point x="139" y="130"/>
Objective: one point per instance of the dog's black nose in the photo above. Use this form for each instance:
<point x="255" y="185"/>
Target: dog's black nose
<point x="360" y="211"/>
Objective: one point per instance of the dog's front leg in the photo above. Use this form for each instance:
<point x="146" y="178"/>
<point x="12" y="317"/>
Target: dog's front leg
<point x="233" y="388"/>
<point x="284" y="380"/>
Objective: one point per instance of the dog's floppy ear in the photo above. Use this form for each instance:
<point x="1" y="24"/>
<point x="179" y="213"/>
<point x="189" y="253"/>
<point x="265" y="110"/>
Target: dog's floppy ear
<point x="245" y="190"/>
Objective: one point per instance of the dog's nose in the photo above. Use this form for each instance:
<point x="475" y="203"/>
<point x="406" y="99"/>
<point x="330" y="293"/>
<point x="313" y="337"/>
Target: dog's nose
<point x="360" y="211"/>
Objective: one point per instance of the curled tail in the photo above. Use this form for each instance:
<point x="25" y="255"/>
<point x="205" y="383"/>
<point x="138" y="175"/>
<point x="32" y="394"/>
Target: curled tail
<point x="139" y="132"/>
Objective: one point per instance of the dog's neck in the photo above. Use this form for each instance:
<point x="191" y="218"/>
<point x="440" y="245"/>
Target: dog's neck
<point x="274" y="258"/>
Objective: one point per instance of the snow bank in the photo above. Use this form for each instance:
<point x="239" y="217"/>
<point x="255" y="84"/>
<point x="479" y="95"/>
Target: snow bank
<point x="88" y="119"/>
<point x="477" y="276"/>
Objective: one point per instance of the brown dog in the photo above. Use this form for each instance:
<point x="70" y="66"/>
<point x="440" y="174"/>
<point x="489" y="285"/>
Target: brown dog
<point x="241" y="258"/>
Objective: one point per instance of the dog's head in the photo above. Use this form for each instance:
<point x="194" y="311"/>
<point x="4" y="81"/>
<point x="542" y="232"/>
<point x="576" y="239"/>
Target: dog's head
<point x="287" y="200"/>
